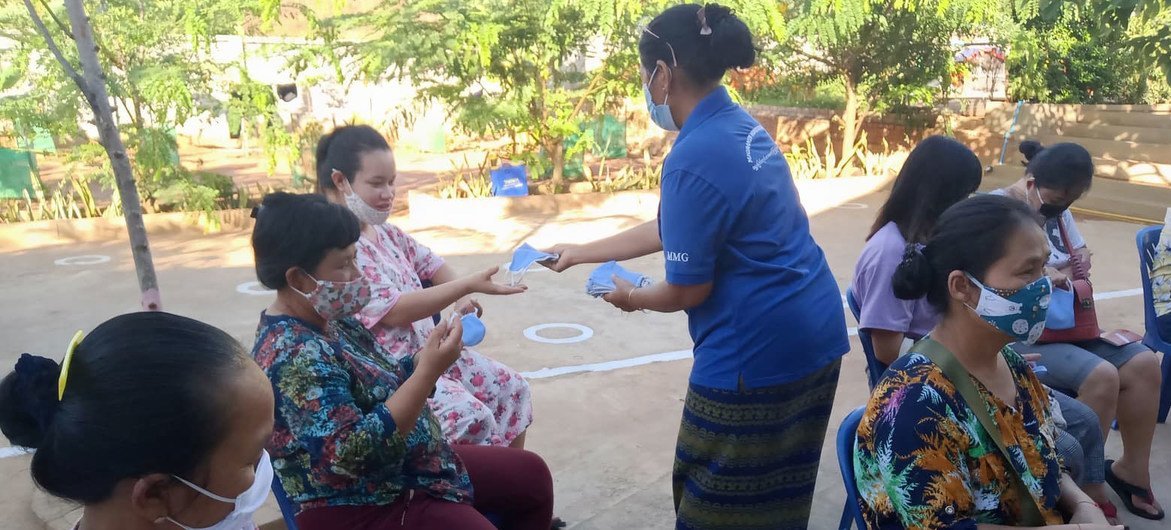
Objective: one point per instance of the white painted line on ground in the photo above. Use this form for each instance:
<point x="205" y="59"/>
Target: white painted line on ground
<point x="609" y="366"/>
<point x="1118" y="294"/>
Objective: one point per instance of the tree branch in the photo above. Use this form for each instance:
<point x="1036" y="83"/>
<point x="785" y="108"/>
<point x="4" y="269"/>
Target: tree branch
<point x="823" y="60"/>
<point x="60" y="25"/>
<point x="52" y="44"/>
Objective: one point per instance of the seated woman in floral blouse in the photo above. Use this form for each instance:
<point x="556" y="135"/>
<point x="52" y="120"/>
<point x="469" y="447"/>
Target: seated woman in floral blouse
<point x="354" y="443"/>
<point x="923" y="459"/>
<point x="480" y="400"/>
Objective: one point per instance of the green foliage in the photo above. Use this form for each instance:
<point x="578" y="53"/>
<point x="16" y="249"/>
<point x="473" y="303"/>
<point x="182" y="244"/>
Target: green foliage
<point x="810" y="162"/>
<point x="892" y="52"/>
<point x="156" y="72"/>
<point x="1090" y="53"/>
<point x="800" y="92"/>
<point x="467" y="181"/>
<point x="885" y="55"/>
<point x="509" y="68"/>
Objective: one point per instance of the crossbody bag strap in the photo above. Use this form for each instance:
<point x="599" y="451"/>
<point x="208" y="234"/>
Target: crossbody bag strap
<point x="1079" y="272"/>
<point x="959" y="377"/>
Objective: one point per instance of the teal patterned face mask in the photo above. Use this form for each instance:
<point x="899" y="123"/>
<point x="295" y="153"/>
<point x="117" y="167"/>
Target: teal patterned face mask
<point x="1020" y="314"/>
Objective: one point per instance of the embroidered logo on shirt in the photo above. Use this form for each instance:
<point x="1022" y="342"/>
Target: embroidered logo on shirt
<point x="681" y="257"/>
<point x="757" y="163"/>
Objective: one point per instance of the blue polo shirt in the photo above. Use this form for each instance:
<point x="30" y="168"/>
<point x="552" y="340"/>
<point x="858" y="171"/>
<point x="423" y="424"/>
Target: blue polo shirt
<point x="730" y="215"/>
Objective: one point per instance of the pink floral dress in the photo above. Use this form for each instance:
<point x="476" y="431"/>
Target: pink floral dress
<point x="479" y="401"/>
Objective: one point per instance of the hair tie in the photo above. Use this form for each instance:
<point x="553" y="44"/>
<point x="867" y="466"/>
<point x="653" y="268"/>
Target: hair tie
<point x="66" y="362"/>
<point x="914" y="250"/>
<point x="704" y="28"/>
<point x="34" y="379"/>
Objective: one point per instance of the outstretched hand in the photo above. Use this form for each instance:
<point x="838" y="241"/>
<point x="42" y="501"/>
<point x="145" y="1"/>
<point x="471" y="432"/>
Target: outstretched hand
<point x="481" y="282"/>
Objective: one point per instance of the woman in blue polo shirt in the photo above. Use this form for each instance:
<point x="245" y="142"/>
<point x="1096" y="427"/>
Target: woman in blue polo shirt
<point x="764" y="310"/>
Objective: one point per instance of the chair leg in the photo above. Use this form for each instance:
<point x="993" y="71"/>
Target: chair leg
<point x="1165" y="393"/>
<point x="847" y="518"/>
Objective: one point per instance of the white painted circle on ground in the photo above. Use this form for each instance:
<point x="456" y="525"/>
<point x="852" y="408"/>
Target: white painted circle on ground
<point x="88" y="259"/>
<point x="254" y="289"/>
<point x="584" y="333"/>
<point x="852" y="206"/>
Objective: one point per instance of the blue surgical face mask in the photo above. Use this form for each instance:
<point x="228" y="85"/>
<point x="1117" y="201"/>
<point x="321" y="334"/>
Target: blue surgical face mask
<point x="474" y="329"/>
<point x="1019" y="314"/>
<point x="660" y="114"/>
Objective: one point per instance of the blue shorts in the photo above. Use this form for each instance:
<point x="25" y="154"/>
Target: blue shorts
<point x="1068" y="365"/>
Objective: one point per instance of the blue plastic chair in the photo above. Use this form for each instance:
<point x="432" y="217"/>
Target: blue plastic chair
<point x="1146" y="239"/>
<point x="852" y="512"/>
<point x="874" y="367"/>
<point x="288" y="508"/>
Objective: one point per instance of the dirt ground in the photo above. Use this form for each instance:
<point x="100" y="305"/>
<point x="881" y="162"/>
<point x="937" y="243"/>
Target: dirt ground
<point x="606" y="422"/>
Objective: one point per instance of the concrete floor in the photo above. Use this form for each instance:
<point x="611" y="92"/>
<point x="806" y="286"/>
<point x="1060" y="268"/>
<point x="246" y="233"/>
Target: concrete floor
<point x="607" y="435"/>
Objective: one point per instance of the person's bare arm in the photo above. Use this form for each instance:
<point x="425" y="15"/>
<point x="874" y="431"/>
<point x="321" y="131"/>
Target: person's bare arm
<point x="887" y="345"/>
<point x="445" y="274"/>
<point x="1083" y="513"/>
<point x="632" y="243"/>
<point x="662" y="297"/>
<point x="417" y="305"/>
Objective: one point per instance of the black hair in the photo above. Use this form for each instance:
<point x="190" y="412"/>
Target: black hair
<point x="703" y="55"/>
<point x="143" y="395"/>
<point x="938" y="173"/>
<point x="342" y="149"/>
<point x="1065" y="166"/>
<point x="970" y="236"/>
<point x="297" y="231"/>
<point x="1030" y="148"/>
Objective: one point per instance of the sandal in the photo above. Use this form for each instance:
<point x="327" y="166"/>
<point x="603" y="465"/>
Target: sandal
<point x="557" y="524"/>
<point x="1126" y="491"/>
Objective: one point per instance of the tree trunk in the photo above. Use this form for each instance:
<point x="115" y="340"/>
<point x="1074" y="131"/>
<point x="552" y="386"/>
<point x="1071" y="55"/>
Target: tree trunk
<point x="850" y="124"/>
<point x="556" y="151"/>
<point x="93" y="85"/>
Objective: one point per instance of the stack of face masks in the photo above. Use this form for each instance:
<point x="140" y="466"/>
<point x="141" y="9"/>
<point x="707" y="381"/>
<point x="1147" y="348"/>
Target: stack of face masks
<point x="601" y="281"/>
<point x="524" y="257"/>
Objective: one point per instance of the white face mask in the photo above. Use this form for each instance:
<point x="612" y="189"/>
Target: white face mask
<point x="245" y="505"/>
<point x="365" y="213"/>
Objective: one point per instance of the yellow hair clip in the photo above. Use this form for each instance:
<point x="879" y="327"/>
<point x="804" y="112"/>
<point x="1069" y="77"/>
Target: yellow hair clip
<point x="66" y="362"/>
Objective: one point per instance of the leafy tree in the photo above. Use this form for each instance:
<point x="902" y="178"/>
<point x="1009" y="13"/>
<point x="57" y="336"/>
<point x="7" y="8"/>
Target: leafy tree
<point x="130" y="57"/>
<point x="507" y="67"/>
<point x="883" y="53"/>
<point x="92" y="86"/>
<point x="1071" y="52"/>
<point x="157" y="72"/>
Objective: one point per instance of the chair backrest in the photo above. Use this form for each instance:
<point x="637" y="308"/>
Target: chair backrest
<point x="874" y="367"/>
<point x="288" y="507"/>
<point x="847" y="433"/>
<point x="1146" y="239"/>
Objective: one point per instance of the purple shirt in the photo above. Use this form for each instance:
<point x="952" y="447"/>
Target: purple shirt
<point x="872" y="288"/>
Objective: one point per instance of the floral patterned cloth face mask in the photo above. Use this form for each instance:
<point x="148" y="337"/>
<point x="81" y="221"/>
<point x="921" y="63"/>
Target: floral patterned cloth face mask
<point x="338" y="300"/>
